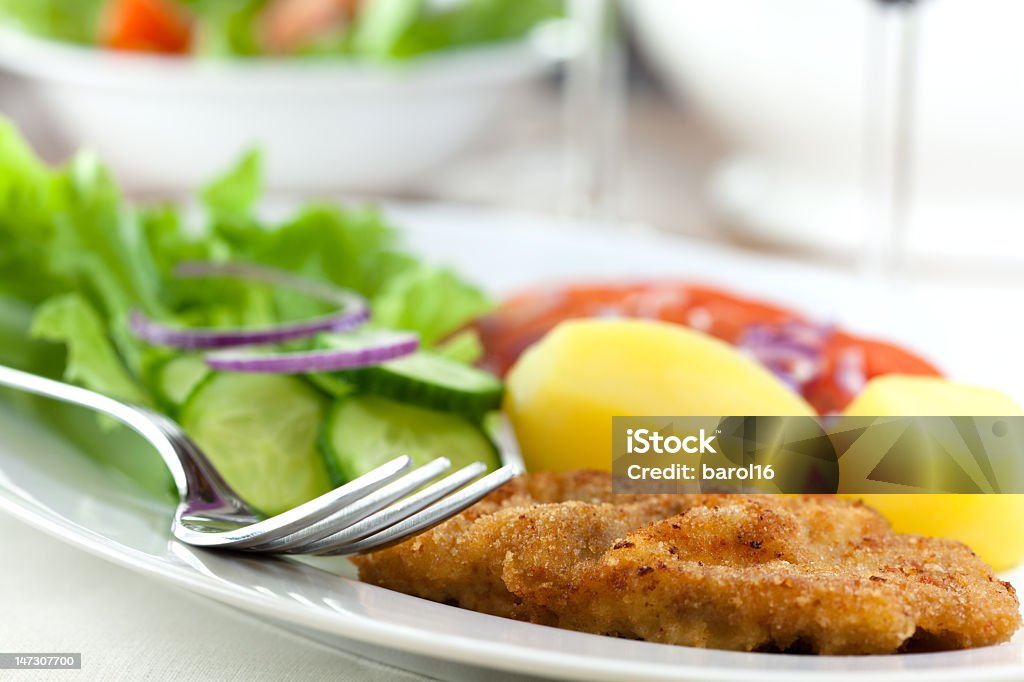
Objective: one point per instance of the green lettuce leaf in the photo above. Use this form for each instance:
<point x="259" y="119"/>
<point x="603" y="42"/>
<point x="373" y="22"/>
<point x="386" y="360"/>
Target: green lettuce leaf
<point x="431" y="301"/>
<point x="227" y="28"/>
<point x="231" y="198"/>
<point x="26" y="207"/>
<point x="383" y="23"/>
<point x="75" y="21"/>
<point x="92" y="360"/>
<point x="397" y="29"/>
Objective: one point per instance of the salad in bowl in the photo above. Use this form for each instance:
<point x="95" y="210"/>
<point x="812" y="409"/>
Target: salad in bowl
<point x="380" y="29"/>
<point x="344" y="97"/>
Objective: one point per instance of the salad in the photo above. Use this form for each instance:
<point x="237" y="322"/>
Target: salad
<point x="364" y="354"/>
<point x="373" y="29"/>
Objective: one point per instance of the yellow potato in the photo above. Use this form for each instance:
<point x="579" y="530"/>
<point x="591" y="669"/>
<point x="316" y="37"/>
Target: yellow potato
<point x="902" y="395"/>
<point x="564" y="391"/>
<point x="986" y="523"/>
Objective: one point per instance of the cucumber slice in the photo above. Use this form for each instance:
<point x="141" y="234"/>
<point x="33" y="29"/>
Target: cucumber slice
<point x="331" y="384"/>
<point x="260" y="431"/>
<point x="465" y="347"/>
<point x="433" y="381"/>
<point x="175" y="379"/>
<point x="362" y="432"/>
<point x="424" y="378"/>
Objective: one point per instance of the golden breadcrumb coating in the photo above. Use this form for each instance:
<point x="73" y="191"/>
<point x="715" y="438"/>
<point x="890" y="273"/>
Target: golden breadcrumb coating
<point x="744" y="572"/>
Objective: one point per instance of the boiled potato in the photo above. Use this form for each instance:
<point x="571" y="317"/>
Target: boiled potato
<point x="563" y="392"/>
<point x="986" y="523"/>
<point x="900" y="395"/>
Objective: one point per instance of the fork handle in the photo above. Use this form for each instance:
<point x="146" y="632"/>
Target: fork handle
<point x="133" y="417"/>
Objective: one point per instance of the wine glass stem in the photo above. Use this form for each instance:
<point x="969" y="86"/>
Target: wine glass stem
<point x="889" y="117"/>
<point x="594" y="109"/>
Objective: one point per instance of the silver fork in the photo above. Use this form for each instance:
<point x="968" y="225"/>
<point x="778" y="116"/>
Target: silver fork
<point x="373" y="511"/>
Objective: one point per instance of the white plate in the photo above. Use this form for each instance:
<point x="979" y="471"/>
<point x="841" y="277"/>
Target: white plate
<point x="57" y="490"/>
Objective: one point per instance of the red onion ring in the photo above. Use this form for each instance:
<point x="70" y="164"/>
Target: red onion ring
<point x="849" y="373"/>
<point x="379" y="347"/>
<point x="792" y="351"/>
<point x="353" y="311"/>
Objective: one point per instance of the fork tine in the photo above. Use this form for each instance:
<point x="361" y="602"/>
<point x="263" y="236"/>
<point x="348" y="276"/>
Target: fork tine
<point x="357" y="510"/>
<point x="389" y="516"/>
<point x="302" y="516"/>
<point x="432" y="515"/>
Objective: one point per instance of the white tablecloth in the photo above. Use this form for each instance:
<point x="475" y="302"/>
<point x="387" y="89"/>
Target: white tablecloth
<point x="55" y="598"/>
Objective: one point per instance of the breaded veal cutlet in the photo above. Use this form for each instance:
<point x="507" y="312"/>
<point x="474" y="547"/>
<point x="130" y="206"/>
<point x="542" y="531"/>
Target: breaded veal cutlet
<point x="744" y="572"/>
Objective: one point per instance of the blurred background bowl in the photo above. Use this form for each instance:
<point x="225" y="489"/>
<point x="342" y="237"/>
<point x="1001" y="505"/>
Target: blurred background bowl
<point x="782" y="83"/>
<point x="168" y="124"/>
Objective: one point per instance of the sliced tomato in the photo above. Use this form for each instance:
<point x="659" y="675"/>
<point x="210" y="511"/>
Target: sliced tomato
<point x="147" y="26"/>
<point x="829" y="394"/>
<point x="727" y="316"/>
<point x="881" y="357"/>
<point x="523" y="319"/>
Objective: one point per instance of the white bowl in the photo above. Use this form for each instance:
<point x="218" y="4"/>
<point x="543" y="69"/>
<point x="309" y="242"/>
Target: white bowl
<point x="782" y="82"/>
<point x="169" y="123"/>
